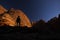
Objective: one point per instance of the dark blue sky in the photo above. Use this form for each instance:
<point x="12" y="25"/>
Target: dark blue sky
<point x="35" y="9"/>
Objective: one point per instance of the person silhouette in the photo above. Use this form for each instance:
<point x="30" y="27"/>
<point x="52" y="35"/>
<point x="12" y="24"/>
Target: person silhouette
<point x="18" y="21"/>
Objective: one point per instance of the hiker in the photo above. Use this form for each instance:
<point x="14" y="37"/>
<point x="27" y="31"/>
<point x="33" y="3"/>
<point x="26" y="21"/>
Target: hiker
<point x="18" y="21"/>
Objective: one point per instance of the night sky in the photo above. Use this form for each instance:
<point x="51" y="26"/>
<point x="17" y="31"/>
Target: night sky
<point x="35" y="9"/>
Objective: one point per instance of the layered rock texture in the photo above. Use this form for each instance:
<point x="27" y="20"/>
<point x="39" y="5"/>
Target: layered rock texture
<point x="8" y="17"/>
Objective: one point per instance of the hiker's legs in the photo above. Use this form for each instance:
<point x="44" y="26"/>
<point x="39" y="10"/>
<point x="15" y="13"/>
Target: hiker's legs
<point x="19" y="24"/>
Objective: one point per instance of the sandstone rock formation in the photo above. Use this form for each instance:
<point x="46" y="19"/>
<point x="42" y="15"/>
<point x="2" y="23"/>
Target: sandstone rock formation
<point x="2" y="9"/>
<point x="9" y="17"/>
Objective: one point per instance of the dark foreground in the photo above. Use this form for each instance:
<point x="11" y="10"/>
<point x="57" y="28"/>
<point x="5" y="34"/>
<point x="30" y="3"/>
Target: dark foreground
<point x="17" y="33"/>
<point x="27" y="36"/>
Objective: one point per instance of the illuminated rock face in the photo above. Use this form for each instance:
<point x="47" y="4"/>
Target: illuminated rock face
<point x="8" y="20"/>
<point x="2" y="9"/>
<point x="10" y="17"/>
<point x="24" y="19"/>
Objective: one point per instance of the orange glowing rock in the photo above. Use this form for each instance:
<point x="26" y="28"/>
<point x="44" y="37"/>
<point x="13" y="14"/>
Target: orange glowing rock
<point x="24" y="19"/>
<point x="9" y="17"/>
<point x="2" y="9"/>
